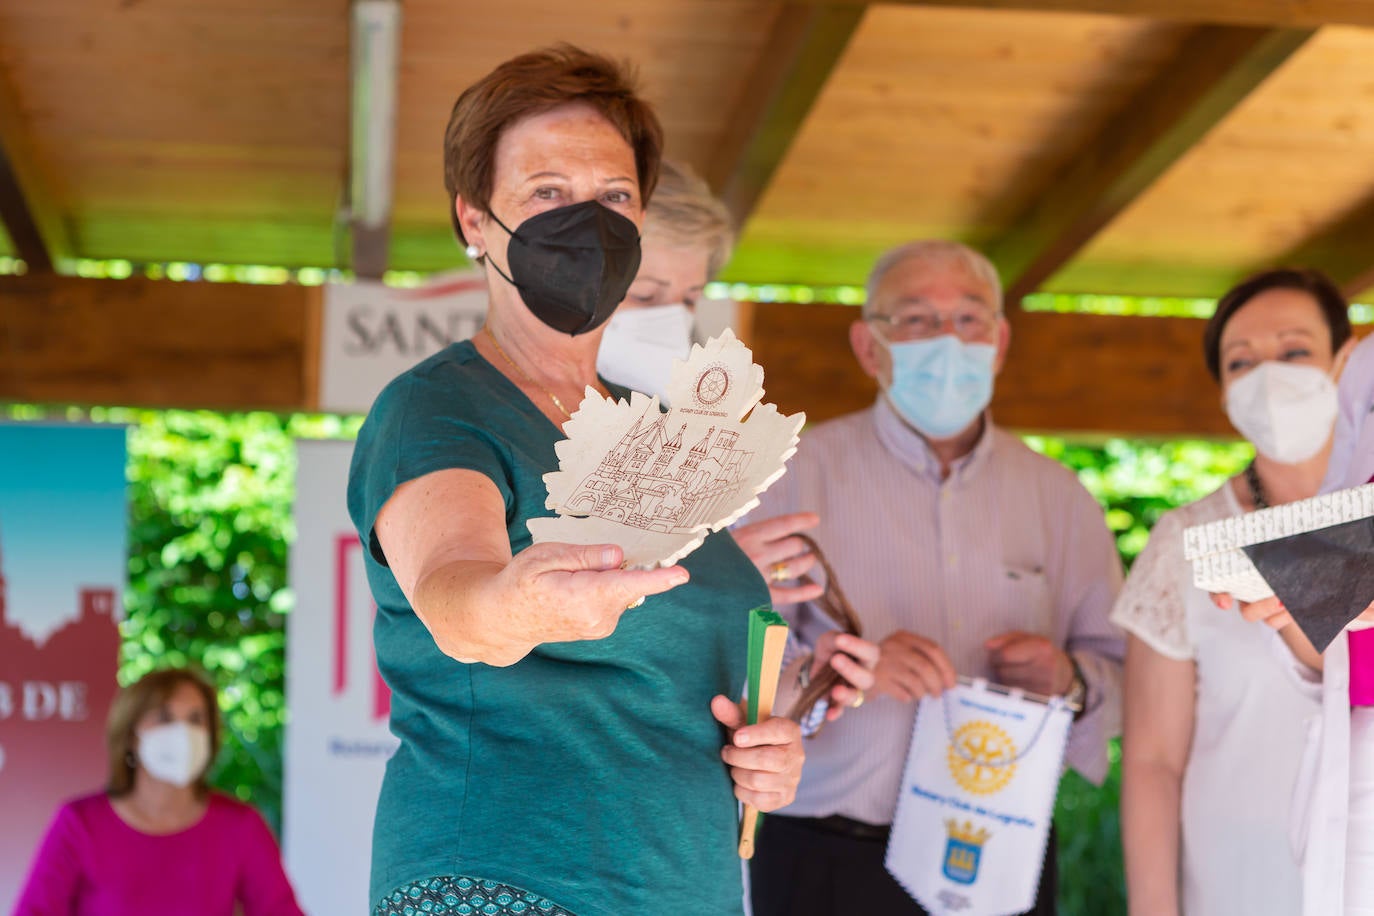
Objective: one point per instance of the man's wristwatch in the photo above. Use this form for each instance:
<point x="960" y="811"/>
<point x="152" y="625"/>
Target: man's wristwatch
<point x="1077" y="694"/>
<point x="813" y="718"/>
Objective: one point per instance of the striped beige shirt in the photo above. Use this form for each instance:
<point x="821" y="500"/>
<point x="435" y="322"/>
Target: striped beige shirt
<point x="1009" y="541"/>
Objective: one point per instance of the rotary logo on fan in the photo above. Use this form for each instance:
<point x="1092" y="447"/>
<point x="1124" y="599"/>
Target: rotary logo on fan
<point x="712" y="385"/>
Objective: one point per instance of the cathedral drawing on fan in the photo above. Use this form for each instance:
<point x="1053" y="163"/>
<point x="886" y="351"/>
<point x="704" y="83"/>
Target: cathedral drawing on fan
<point x="647" y="481"/>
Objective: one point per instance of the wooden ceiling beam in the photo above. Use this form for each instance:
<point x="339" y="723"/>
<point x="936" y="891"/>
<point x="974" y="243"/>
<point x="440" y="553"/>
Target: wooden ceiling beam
<point x="1214" y="70"/>
<point x="1299" y="14"/>
<point x="1085" y="374"/>
<point x="28" y="207"/>
<point x="803" y="49"/>
<point x="155" y="343"/>
<point x="1344" y="250"/>
<point x="223" y="346"/>
<point x="1361" y="283"/>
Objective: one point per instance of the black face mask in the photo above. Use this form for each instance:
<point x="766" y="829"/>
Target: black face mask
<point x="572" y="265"/>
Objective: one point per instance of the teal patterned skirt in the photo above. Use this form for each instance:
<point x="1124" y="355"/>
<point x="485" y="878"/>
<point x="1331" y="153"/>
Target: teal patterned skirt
<point x="450" y="895"/>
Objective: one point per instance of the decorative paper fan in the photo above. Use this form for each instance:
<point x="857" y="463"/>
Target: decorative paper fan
<point x="1216" y="549"/>
<point x="1317" y="555"/>
<point x="655" y="482"/>
<point x="1325" y="578"/>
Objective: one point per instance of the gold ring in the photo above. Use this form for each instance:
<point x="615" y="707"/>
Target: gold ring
<point x="635" y="603"/>
<point x="857" y="701"/>
<point x="780" y="573"/>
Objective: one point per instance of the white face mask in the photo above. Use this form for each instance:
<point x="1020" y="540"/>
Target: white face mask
<point x="639" y="346"/>
<point x="1286" y="410"/>
<point x="176" y="752"/>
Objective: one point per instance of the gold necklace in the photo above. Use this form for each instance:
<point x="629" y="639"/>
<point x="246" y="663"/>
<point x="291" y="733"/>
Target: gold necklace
<point x="521" y="372"/>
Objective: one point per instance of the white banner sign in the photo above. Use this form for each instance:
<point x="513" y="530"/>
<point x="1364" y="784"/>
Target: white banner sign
<point x="373" y="332"/>
<point x="977" y="797"/>
<point x="337" y="739"/>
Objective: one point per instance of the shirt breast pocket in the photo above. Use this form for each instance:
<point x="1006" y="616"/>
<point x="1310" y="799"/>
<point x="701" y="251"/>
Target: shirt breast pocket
<point x="1028" y="602"/>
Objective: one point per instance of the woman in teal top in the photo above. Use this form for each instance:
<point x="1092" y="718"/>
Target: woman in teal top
<point x="561" y="745"/>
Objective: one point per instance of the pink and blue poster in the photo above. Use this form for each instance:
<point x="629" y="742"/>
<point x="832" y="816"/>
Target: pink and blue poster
<point x="63" y="558"/>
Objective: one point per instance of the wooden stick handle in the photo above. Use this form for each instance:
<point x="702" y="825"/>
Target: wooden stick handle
<point x="748" y="827"/>
<point x="774" y="643"/>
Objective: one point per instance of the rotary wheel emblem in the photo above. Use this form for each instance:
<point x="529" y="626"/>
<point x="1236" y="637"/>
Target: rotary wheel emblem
<point x="982" y="758"/>
<point x="712" y="385"/>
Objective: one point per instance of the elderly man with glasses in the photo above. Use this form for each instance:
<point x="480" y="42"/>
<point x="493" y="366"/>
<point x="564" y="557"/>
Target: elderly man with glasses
<point x="963" y="552"/>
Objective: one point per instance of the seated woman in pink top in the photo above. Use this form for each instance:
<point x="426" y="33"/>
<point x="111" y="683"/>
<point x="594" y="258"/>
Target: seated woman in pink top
<point x="157" y="841"/>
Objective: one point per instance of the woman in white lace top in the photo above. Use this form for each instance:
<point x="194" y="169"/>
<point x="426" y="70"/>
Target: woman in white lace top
<point x="1213" y="730"/>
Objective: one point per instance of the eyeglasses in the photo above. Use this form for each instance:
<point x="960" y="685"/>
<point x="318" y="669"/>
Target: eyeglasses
<point x="969" y="323"/>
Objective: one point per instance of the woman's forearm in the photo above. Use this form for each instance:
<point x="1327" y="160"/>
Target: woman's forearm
<point x="1301" y="647"/>
<point x="487" y="610"/>
<point x="1150" y="797"/>
<point x="470" y="616"/>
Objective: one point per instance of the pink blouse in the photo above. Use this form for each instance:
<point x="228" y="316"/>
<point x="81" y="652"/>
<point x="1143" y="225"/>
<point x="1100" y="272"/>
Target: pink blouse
<point x="91" y="863"/>
<point x="1361" y="667"/>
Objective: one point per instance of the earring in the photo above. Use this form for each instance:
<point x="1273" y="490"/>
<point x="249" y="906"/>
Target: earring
<point x="473" y="252"/>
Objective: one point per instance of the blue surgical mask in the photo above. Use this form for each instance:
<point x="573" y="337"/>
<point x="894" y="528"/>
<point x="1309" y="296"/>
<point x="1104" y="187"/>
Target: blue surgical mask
<point x="940" y="385"/>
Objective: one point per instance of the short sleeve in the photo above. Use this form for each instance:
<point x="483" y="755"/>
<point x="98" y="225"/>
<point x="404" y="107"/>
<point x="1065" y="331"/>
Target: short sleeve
<point x="412" y="430"/>
<point x="1351" y="463"/>
<point x="263" y="887"/>
<point x="51" y="886"/>
<point x="1153" y="603"/>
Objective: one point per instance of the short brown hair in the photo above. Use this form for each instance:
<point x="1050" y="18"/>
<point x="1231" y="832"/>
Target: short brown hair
<point x="1334" y="307"/>
<point x="149" y="692"/>
<point x="532" y="84"/>
<point x="685" y="213"/>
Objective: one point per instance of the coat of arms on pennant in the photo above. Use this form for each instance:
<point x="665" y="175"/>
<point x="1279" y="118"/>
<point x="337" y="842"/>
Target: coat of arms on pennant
<point x="657" y="481"/>
<point x="976" y="799"/>
<point x="964" y="850"/>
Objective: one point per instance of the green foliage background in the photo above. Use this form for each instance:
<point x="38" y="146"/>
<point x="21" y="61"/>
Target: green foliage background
<point x="209" y="526"/>
<point x="1136" y="482"/>
<point x="210" y="523"/>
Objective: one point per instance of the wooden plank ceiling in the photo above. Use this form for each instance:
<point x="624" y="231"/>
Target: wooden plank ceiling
<point x="1106" y="146"/>
<point x="183" y="130"/>
<point x="695" y="58"/>
<point x="1166" y="150"/>
<point x="942" y="123"/>
<point x="1278" y="180"/>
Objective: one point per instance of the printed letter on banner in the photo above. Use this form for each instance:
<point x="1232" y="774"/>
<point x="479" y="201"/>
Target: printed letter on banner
<point x="976" y="800"/>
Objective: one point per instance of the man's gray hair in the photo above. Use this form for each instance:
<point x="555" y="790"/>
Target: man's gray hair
<point x="937" y="252"/>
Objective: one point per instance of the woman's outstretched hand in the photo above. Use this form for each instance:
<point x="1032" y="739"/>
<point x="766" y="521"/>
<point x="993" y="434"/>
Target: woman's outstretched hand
<point x="550" y="593"/>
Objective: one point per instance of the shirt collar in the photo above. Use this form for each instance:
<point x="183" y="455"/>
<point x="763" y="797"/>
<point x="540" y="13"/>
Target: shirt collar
<point x="911" y="449"/>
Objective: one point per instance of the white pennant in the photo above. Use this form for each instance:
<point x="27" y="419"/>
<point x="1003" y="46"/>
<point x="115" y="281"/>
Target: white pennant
<point x="977" y="797"/>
